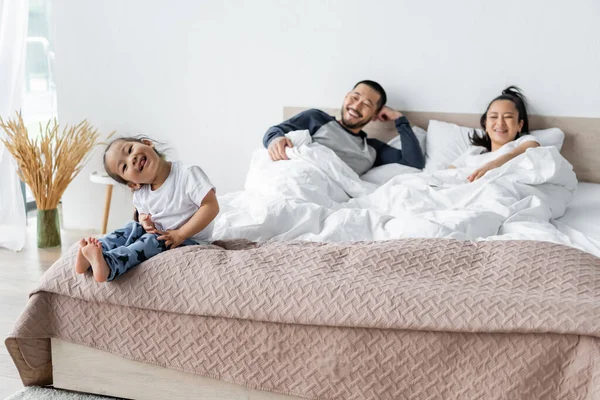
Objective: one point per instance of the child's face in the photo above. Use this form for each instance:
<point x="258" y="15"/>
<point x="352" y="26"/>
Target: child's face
<point x="137" y="163"/>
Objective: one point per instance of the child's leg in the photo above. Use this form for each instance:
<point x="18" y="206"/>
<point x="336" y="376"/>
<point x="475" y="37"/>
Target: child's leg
<point x="93" y="254"/>
<point x="120" y="237"/>
<point x="81" y="263"/>
<point x="123" y="236"/>
<point x="107" y="265"/>
<point x="122" y="259"/>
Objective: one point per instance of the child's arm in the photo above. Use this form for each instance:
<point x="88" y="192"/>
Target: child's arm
<point x="209" y="208"/>
<point x="146" y="221"/>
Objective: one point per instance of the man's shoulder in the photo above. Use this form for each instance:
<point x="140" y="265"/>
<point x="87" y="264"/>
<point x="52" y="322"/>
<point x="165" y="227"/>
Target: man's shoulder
<point x="315" y="113"/>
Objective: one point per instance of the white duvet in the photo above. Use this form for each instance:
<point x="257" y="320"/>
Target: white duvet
<point x="316" y="196"/>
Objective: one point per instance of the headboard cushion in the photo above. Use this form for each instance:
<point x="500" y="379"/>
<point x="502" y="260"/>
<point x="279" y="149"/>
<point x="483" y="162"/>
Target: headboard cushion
<point x="582" y="135"/>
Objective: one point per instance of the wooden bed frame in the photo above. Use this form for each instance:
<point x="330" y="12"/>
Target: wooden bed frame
<point x="84" y="369"/>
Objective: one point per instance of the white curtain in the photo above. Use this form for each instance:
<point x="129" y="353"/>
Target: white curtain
<point x="13" y="35"/>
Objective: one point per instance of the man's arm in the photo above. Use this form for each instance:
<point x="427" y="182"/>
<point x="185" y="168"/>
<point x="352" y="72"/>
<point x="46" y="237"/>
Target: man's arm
<point x="308" y="119"/>
<point x="411" y="153"/>
<point x="276" y="142"/>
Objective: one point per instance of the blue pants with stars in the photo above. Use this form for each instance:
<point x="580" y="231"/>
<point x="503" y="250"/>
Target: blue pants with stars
<point x="127" y="247"/>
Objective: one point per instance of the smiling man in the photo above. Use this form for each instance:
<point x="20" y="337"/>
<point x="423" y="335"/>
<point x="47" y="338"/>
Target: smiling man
<point x="365" y="103"/>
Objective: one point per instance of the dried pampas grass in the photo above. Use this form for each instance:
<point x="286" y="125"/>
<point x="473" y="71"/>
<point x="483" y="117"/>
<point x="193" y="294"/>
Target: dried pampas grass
<point x="50" y="162"/>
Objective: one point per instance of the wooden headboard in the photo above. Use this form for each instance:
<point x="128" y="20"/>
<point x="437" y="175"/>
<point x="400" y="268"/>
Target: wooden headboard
<point x="582" y="135"/>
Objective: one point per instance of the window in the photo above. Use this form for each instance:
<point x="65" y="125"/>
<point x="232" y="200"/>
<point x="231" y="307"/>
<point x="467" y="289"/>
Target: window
<point x="39" y="100"/>
<point x="39" y="90"/>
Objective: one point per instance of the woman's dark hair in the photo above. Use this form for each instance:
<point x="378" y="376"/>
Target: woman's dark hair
<point x="136" y="139"/>
<point x="511" y="93"/>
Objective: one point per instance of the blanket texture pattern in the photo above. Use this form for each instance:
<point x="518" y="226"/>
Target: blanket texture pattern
<point x="410" y="318"/>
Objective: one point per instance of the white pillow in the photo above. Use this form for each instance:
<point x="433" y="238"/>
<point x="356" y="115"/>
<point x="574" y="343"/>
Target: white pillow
<point x="421" y="135"/>
<point x="446" y="142"/>
<point x="550" y="137"/>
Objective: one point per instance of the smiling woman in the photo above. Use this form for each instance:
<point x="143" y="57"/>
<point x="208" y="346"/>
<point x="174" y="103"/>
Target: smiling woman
<point x="506" y="135"/>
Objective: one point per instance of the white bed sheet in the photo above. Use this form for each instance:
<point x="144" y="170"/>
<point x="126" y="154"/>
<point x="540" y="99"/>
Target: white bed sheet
<point x="581" y="221"/>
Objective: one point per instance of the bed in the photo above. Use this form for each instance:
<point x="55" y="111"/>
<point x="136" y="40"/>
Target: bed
<point x="415" y="318"/>
<point x="581" y="222"/>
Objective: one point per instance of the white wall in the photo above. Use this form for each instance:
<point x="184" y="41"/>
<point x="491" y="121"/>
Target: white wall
<point x="209" y="77"/>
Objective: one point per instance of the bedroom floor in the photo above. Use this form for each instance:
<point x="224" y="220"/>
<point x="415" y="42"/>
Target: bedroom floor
<point x="19" y="274"/>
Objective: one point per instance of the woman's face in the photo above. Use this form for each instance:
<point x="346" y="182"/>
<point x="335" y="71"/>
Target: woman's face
<point x="502" y="123"/>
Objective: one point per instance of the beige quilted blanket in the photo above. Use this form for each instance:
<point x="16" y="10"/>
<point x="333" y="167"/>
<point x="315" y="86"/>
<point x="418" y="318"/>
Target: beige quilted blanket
<point x="412" y="318"/>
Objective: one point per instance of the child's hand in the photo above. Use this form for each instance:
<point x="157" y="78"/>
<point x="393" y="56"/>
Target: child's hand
<point x="172" y="238"/>
<point x="146" y="222"/>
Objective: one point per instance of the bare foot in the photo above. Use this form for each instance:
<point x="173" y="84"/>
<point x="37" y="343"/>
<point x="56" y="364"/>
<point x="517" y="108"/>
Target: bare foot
<point x="93" y="253"/>
<point x="81" y="264"/>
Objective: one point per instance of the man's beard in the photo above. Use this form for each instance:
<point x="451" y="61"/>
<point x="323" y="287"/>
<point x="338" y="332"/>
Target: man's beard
<point x="356" y="125"/>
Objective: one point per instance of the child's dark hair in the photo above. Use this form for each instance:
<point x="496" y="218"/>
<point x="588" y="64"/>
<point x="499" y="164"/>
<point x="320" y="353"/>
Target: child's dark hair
<point x="511" y="93"/>
<point x="378" y="88"/>
<point x="136" y="139"/>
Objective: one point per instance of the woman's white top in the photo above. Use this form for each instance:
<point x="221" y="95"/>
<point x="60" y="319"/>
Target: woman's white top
<point x="478" y="156"/>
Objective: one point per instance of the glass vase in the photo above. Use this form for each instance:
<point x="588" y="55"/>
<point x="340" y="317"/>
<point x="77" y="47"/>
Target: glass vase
<point x="48" y="228"/>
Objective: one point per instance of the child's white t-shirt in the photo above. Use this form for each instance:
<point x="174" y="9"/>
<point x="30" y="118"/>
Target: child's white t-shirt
<point x="478" y="156"/>
<point x="176" y="200"/>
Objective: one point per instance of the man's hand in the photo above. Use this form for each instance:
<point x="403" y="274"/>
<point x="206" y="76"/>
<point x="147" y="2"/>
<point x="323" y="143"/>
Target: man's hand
<point x="277" y="148"/>
<point x="387" y="114"/>
<point x="173" y="238"/>
<point x="146" y="222"/>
